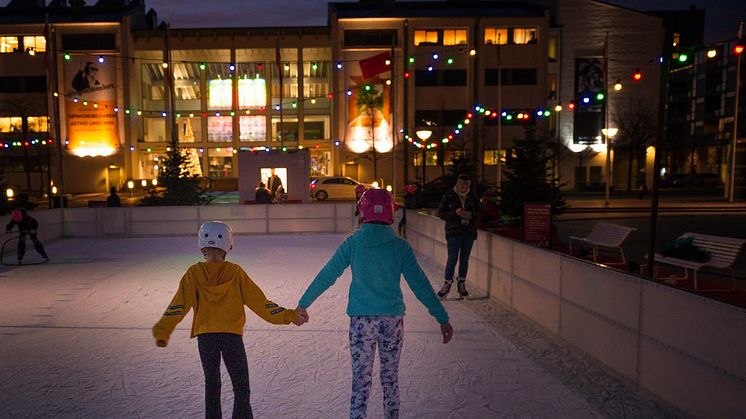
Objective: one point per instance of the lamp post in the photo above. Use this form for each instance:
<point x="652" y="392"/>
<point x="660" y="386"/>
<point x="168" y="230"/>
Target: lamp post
<point x="734" y="139"/>
<point x="130" y="186"/>
<point x="608" y="133"/>
<point x="424" y="135"/>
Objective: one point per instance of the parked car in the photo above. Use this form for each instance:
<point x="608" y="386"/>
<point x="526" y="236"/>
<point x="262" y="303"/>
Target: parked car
<point x="334" y="187"/>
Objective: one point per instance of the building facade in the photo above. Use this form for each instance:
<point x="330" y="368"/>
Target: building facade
<point x="387" y="91"/>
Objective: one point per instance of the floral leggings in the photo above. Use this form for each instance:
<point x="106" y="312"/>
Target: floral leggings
<point x="367" y="332"/>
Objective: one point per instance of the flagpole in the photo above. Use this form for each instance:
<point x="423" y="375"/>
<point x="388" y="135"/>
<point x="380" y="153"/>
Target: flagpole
<point x="499" y="116"/>
<point x="734" y="140"/>
<point x="392" y="106"/>
<point x="280" y="71"/>
<point x="606" y="120"/>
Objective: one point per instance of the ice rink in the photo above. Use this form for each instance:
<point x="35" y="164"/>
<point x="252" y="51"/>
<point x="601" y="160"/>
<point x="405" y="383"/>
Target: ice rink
<point x="75" y="342"/>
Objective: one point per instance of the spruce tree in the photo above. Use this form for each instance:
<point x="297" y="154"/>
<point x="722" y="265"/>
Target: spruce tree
<point x="178" y="184"/>
<point x="528" y="177"/>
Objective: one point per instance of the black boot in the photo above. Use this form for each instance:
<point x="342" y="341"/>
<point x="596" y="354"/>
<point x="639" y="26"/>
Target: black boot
<point x="445" y="289"/>
<point x="462" y="288"/>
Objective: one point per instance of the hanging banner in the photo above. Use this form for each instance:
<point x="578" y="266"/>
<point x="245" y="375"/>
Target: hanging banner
<point x="588" y="118"/>
<point x="369" y="106"/>
<point x="90" y="99"/>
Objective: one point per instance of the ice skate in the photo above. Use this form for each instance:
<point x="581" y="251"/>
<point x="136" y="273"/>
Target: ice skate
<point x="445" y="289"/>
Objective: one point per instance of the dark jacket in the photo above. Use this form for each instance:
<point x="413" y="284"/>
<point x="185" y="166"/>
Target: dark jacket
<point x="454" y="225"/>
<point x="262" y="196"/>
<point x="113" y="201"/>
<point x="28" y="223"/>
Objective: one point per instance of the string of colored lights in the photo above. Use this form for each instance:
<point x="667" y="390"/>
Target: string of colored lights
<point x="507" y="115"/>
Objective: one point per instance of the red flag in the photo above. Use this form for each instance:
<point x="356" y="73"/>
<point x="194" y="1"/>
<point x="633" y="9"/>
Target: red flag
<point x="375" y="65"/>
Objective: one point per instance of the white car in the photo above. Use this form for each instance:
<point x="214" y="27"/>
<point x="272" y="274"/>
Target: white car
<point x="334" y="187"/>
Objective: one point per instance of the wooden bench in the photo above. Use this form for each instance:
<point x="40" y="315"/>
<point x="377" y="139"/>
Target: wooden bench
<point x="605" y="235"/>
<point x="723" y="253"/>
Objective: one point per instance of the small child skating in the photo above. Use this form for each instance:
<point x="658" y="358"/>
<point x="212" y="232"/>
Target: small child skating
<point x="27" y="226"/>
<point x="217" y="291"/>
<point x="378" y="258"/>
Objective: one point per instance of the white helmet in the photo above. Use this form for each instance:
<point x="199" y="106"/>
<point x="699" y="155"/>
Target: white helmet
<point x="216" y="234"/>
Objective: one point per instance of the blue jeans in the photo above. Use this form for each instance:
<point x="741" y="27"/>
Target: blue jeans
<point x="458" y="248"/>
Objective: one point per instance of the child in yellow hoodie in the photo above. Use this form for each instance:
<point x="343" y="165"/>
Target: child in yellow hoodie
<point x="218" y="291"/>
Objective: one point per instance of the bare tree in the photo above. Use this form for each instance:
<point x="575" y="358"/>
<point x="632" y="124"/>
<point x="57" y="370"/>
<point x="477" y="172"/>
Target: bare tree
<point x="637" y="127"/>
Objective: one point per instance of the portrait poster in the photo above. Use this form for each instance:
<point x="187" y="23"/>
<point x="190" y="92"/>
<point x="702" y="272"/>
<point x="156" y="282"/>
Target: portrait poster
<point x="588" y="119"/>
<point x="90" y="98"/>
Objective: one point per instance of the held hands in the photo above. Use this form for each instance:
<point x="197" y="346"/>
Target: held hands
<point x="459" y="211"/>
<point x="447" y="331"/>
<point x="301" y="316"/>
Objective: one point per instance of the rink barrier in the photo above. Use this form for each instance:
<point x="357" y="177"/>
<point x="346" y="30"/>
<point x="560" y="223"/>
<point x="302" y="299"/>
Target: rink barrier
<point x="688" y="350"/>
<point x="185" y="220"/>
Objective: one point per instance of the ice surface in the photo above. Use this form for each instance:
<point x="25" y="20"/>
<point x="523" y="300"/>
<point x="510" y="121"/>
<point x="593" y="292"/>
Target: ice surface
<point x="75" y="341"/>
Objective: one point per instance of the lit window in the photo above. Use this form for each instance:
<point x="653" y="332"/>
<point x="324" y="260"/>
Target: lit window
<point x="220" y="94"/>
<point x="431" y="158"/>
<point x="454" y="36"/>
<point x="252" y="93"/>
<point x="154" y="130"/>
<point x="34" y="43"/>
<point x="552" y="85"/>
<point x="426" y="37"/>
<point x="11" y="124"/>
<point x="37" y="123"/>
<point x="252" y="128"/>
<point x="491" y="156"/>
<point x="552" y="49"/>
<point x="220" y="129"/>
<point x="522" y="36"/>
<point x="8" y="44"/>
<point x="220" y="162"/>
<point x="495" y="36"/>
<point x="451" y="155"/>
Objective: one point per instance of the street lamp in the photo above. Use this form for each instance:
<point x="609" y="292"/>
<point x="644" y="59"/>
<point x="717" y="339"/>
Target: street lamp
<point x="130" y="186"/>
<point x="609" y="133"/>
<point x="423" y="135"/>
<point x="10" y="193"/>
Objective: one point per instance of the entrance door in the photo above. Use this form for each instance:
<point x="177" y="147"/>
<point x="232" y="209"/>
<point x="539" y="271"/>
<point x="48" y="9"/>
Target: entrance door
<point x="114" y="178"/>
<point x="351" y="170"/>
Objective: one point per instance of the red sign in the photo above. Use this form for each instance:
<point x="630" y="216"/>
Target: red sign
<point x="537" y="224"/>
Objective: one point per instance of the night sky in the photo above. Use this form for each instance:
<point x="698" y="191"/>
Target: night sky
<point x="722" y="16"/>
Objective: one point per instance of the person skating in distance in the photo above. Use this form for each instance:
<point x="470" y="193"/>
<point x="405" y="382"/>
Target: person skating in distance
<point x="27" y="226"/>
<point x="377" y="258"/>
<point x="217" y="291"/>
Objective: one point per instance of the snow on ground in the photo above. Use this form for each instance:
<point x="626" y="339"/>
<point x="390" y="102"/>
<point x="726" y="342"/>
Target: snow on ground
<point x="75" y="341"/>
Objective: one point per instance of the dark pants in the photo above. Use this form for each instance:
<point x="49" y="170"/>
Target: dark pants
<point x="403" y="223"/>
<point x="230" y="346"/>
<point x="459" y="248"/>
<point x="22" y="244"/>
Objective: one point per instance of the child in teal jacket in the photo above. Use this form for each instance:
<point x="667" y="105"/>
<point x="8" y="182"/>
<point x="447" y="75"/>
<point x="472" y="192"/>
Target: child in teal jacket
<point x="378" y="258"/>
